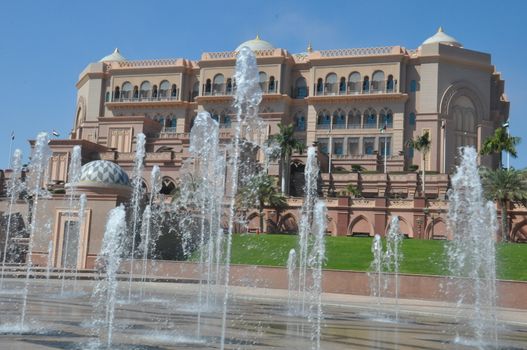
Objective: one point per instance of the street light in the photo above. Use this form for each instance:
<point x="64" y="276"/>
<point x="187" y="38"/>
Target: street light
<point x="382" y="130"/>
<point x="506" y="125"/>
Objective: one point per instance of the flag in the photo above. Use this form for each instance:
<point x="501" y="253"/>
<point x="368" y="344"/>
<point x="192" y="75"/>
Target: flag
<point x="55" y="133"/>
<point x="506" y="124"/>
<point x="383" y="129"/>
<point x="12" y="135"/>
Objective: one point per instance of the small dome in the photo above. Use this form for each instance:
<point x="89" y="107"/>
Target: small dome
<point x="114" y="56"/>
<point x="256" y="44"/>
<point x="443" y="38"/>
<point x="103" y="172"/>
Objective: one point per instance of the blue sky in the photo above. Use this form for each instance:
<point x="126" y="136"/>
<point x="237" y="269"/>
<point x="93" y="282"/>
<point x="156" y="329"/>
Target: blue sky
<point x="44" y="45"/>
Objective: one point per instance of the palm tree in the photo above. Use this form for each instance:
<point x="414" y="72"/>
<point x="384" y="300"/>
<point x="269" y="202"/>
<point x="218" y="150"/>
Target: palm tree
<point x="261" y="191"/>
<point x="504" y="186"/>
<point x="422" y="144"/>
<point x="499" y="142"/>
<point x="286" y="143"/>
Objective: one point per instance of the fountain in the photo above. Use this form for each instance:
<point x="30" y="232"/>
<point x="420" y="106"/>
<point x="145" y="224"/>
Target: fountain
<point x="246" y="100"/>
<point x="472" y="252"/>
<point x="376" y="270"/>
<point x="306" y="222"/>
<point x="38" y="172"/>
<point x="291" y="276"/>
<point x="69" y="259"/>
<point x="109" y="258"/>
<point x="394" y="256"/>
<point x="81" y="217"/>
<point x="334" y="321"/>
<point x="14" y="188"/>
<point x="137" y="194"/>
<point x="316" y="260"/>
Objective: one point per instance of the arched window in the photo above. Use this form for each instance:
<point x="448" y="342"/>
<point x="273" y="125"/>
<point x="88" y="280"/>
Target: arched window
<point x="300" y="88"/>
<point x="263" y="81"/>
<point x="225" y="120"/>
<point x="366" y="84"/>
<point x="464" y="117"/>
<point x="215" y="115"/>
<point x="168" y="186"/>
<point x="389" y="84"/>
<point x="173" y="123"/>
<point x="154" y="91"/>
<point x="354" y="118"/>
<point x="413" y="86"/>
<point x="228" y="87"/>
<point x="323" y="120"/>
<point x="145" y="89"/>
<point x="272" y="84"/>
<point x="136" y="92"/>
<point x="127" y="90"/>
<point x="174" y="91"/>
<point x="195" y="90"/>
<point x="354" y="83"/>
<point x="320" y="86"/>
<point x="164" y="87"/>
<point x="411" y="119"/>
<point x="208" y="87"/>
<point x="331" y="83"/>
<point x="117" y="93"/>
<point x="300" y="121"/>
<point x="386" y="118"/>
<point x="370" y="119"/>
<point x="217" y="87"/>
<point x="377" y="81"/>
<point x="339" y="119"/>
<point x="342" y="86"/>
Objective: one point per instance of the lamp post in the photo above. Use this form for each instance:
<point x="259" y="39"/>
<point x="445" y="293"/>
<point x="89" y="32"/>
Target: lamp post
<point x="383" y="129"/>
<point x="506" y="125"/>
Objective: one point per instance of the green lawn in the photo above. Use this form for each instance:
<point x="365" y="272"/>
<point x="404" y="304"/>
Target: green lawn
<point x="345" y="253"/>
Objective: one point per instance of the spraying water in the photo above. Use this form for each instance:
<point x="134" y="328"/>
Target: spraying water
<point x="376" y="275"/>
<point x="82" y="208"/>
<point x="394" y="256"/>
<point x="136" y="199"/>
<point x="74" y="175"/>
<point x="109" y="258"/>
<point x="291" y="287"/>
<point x="472" y="252"/>
<point x="38" y="171"/>
<point x="306" y="221"/>
<point x="316" y="260"/>
<point x="247" y="98"/>
<point x="14" y="188"/>
<point x="150" y="217"/>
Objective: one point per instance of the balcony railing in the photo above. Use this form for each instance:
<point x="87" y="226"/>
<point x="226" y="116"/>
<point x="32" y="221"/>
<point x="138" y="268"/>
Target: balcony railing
<point x="229" y="90"/>
<point x="124" y="97"/>
<point x="357" y="88"/>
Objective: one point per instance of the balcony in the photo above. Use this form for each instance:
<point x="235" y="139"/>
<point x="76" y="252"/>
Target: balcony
<point x="162" y="96"/>
<point x="357" y="88"/>
<point x="267" y="87"/>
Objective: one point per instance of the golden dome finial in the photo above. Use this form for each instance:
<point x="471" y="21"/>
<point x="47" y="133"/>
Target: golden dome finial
<point x="309" y="47"/>
<point x="257" y="37"/>
<point x="440" y="29"/>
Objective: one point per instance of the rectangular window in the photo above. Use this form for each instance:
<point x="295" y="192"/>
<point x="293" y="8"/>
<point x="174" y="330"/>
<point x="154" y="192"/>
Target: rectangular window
<point x="323" y="145"/>
<point x="338" y="147"/>
<point x="385" y="141"/>
<point x="353" y="146"/>
<point x="368" y="145"/>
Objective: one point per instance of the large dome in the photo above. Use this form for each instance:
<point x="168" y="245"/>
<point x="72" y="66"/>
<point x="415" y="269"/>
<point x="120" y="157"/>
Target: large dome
<point x="256" y="44"/>
<point x="443" y="38"/>
<point x="103" y="172"/>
